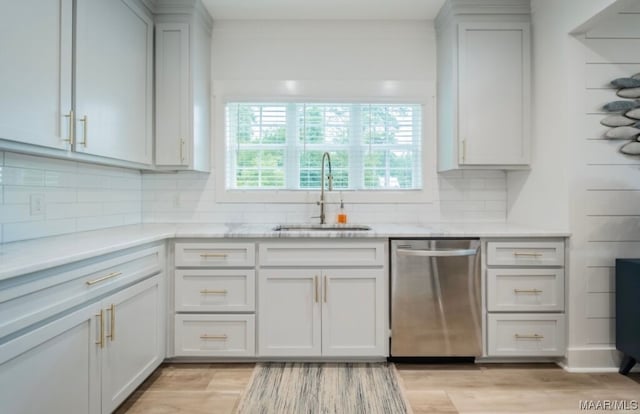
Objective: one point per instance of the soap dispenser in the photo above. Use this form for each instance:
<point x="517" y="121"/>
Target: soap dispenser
<point x="342" y="215"/>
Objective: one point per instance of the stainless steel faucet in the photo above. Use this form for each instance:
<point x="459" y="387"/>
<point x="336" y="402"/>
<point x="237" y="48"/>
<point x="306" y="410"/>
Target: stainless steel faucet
<point x="330" y="180"/>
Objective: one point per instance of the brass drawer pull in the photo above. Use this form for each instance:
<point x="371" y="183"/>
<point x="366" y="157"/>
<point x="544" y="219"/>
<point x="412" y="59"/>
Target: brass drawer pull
<point x="534" y="291"/>
<point x="103" y="278"/>
<point x="534" y="336"/>
<point x="71" y="125"/>
<point x="529" y="254"/>
<point x="214" y="291"/>
<point x="100" y="340"/>
<point x="219" y="337"/>
<point x="207" y="255"/>
<point x="112" y="334"/>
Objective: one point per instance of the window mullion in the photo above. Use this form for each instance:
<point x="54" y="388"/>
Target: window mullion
<point x="356" y="158"/>
<point x="292" y="154"/>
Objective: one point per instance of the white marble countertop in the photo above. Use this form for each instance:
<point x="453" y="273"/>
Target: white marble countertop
<point x="24" y="257"/>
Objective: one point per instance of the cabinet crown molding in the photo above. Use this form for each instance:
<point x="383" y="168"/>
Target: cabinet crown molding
<point x="455" y="8"/>
<point x="184" y="7"/>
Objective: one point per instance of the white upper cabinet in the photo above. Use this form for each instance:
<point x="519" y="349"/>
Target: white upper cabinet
<point x="182" y="57"/>
<point x="35" y="92"/>
<point x="110" y="120"/>
<point x="484" y="91"/>
<point x="114" y="58"/>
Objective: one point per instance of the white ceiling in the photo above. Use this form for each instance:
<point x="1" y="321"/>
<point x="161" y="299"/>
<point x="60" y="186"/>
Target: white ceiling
<point x="323" y="9"/>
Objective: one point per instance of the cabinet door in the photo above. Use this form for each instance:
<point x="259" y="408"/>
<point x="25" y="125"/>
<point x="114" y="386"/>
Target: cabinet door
<point x="35" y="92"/>
<point x="289" y="312"/>
<point x="133" y="340"/>
<point x="53" y="369"/>
<point x="114" y="47"/>
<point x="172" y="94"/>
<point x="353" y="312"/>
<point x="494" y="93"/>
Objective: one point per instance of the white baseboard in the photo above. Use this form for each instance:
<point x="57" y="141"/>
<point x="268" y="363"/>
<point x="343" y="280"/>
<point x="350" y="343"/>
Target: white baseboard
<point x="592" y="359"/>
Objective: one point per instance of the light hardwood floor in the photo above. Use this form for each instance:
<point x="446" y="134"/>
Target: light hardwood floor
<point x="434" y="389"/>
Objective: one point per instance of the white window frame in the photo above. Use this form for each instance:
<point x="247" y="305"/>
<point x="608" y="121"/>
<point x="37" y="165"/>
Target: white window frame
<point x="361" y="196"/>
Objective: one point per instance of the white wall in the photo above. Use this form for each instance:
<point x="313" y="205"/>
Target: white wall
<point x="342" y="60"/>
<point x="578" y="180"/>
<point x="76" y="196"/>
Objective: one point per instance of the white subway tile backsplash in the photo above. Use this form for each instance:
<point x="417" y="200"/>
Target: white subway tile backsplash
<point x="76" y="196"/>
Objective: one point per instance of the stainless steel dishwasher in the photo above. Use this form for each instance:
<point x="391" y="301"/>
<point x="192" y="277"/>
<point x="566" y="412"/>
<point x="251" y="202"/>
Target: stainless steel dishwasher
<point x="435" y="298"/>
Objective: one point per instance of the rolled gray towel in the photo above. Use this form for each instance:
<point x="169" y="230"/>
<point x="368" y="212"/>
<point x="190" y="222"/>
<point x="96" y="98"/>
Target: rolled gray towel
<point x="617" y="120"/>
<point x="631" y="93"/>
<point x="617" y="106"/>
<point x="626" y="83"/>
<point x="631" y="148"/>
<point x="624" y="132"/>
<point x="634" y="113"/>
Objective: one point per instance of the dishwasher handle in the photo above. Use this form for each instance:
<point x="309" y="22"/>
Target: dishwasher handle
<point x="437" y="253"/>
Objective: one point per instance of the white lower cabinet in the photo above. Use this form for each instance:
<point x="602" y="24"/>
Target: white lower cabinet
<point x="53" y="369"/>
<point x="322" y="312"/>
<point x="132" y="341"/>
<point x="214" y="299"/>
<point x="525" y="298"/>
<point x="90" y="358"/>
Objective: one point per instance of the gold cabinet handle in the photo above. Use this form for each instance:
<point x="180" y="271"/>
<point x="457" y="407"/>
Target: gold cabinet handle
<point x="100" y="341"/>
<point x="464" y="150"/>
<point x="103" y="278"/>
<point x="182" y="150"/>
<point x="72" y="122"/>
<point x="537" y="337"/>
<point x="214" y="291"/>
<point x="315" y="282"/>
<point x="220" y="255"/>
<point x="112" y="333"/>
<point x="534" y="291"/>
<point x="218" y="337"/>
<point x="326" y="293"/>
<point x="85" y="120"/>
<point x="530" y="254"/>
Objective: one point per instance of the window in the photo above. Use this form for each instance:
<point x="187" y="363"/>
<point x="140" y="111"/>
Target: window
<point x="279" y="146"/>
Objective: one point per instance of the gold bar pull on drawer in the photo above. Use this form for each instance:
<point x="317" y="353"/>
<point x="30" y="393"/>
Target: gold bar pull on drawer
<point x="534" y="336"/>
<point x="103" y="278"/>
<point x="112" y="334"/>
<point x="219" y="255"/>
<point x="214" y="291"/>
<point x="528" y="254"/>
<point x="532" y="291"/>
<point x="218" y="337"/>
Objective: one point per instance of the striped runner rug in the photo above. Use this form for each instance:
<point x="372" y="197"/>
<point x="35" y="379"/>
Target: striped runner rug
<point x="324" y="388"/>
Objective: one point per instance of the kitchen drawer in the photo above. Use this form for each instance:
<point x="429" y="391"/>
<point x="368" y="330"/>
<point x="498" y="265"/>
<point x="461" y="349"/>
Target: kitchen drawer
<point x="525" y="290"/>
<point x="28" y="299"/>
<point x="214" y="335"/>
<point x="322" y="254"/>
<point x="215" y="290"/>
<point x="526" y="335"/>
<point x="215" y="255"/>
<point x="525" y="253"/>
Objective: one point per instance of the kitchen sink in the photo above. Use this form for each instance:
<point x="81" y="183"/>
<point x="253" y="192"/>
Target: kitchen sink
<point x="321" y="227"/>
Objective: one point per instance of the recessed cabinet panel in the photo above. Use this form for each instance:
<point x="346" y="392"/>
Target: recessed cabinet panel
<point x="526" y="335"/>
<point x="215" y="335"/>
<point x="215" y="254"/>
<point x="353" y="312"/>
<point x="35" y="92"/>
<point x="525" y="290"/>
<point x="172" y="94"/>
<point x="114" y="50"/>
<point x="322" y="254"/>
<point x="289" y="312"/>
<point x="216" y="290"/>
<point x="53" y="369"/>
<point x="493" y="94"/>
<point x="525" y="253"/>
